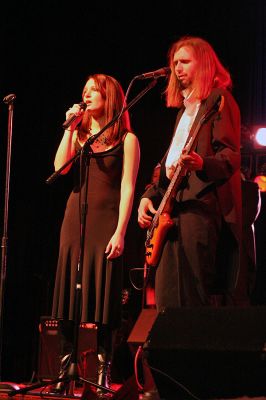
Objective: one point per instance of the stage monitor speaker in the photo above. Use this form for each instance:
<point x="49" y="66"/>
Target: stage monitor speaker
<point x="49" y="350"/>
<point x="208" y="353"/>
<point x="141" y="329"/>
<point x="136" y="340"/>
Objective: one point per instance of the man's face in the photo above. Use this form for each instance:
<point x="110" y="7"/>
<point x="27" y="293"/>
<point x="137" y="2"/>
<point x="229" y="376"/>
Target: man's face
<point x="185" y="66"/>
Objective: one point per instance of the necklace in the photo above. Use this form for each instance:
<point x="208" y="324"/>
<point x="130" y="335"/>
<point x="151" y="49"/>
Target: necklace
<point x="102" y="140"/>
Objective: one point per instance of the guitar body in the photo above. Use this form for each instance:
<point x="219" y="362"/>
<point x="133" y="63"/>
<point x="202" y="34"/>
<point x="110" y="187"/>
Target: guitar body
<point x="154" y="245"/>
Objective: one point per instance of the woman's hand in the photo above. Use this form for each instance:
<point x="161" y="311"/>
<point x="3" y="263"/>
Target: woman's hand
<point x="115" y="246"/>
<point x="145" y="206"/>
<point x="77" y="110"/>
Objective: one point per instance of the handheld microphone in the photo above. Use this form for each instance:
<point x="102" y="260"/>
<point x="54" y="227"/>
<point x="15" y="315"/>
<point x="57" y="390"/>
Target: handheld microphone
<point x="72" y="117"/>
<point x="8" y="99"/>
<point x="155" y="74"/>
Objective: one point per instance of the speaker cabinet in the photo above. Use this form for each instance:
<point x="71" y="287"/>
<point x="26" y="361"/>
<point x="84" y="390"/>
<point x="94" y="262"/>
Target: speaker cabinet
<point x="136" y="340"/>
<point x="141" y="328"/>
<point x="208" y="353"/>
<point x="49" y="350"/>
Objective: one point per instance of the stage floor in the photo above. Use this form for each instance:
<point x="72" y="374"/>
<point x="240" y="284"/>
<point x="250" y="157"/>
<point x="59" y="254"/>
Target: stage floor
<point x="121" y="392"/>
<point x="127" y="391"/>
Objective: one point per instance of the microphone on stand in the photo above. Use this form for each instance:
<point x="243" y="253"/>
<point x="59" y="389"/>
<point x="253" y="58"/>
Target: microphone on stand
<point x="155" y="74"/>
<point x="72" y="117"/>
<point x="8" y="99"/>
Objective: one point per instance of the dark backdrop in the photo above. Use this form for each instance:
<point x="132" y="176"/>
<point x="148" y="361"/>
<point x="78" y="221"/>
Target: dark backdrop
<point x="47" y="50"/>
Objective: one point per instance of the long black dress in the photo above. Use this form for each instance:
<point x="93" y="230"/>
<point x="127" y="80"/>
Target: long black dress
<point x="102" y="280"/>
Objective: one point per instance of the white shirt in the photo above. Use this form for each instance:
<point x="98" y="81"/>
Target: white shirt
<point x="181" y="134"/>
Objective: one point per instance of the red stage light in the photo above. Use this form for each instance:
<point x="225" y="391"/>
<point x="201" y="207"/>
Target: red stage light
<point x="260" y="177"/>
<point x="261" y="181"/>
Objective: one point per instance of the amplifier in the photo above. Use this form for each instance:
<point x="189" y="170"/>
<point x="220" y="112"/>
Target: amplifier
<point x="49" y="350"/>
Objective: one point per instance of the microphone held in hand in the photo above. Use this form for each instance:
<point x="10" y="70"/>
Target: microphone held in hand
<point x="72" y="117"/>
<point x="8" y="99"/>
<point x="155" y="74"/>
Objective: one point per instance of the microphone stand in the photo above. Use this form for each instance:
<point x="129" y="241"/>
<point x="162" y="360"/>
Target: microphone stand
<point x="72" y="374"/>
<point x="10" y="101"/>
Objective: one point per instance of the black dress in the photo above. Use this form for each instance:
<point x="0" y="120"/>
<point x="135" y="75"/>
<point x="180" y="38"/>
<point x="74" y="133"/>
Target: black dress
<point x="102" y="280"/>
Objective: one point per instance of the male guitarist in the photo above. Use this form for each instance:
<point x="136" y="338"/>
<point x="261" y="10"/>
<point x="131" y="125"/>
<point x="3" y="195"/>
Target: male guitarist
<point x="194" y="243"/>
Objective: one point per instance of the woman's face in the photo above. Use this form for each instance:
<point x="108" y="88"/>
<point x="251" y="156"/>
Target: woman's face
<point x="185" y="66"/>
<point x="93" y="98"/>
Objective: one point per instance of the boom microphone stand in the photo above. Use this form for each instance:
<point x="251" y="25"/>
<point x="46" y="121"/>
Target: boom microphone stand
<point x="87" y="151"/>
<point x="9" y="100"/>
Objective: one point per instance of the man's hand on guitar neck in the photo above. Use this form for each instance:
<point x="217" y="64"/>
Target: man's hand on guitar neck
<point x="192" y="161"/>
<point x="144" y="218"/>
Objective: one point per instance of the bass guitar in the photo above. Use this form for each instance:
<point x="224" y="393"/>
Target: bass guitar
<point x="162" y="222"/>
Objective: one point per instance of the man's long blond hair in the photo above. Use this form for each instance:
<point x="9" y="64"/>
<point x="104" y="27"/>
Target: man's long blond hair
<point x="210" y="72"/>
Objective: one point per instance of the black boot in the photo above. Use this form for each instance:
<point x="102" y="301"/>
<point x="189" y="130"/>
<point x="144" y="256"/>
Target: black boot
<point x="63" y="386"/>
<point x="103" y="376"/>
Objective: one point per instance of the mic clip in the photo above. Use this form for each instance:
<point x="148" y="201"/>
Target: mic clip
<point x="9" y="99"/>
